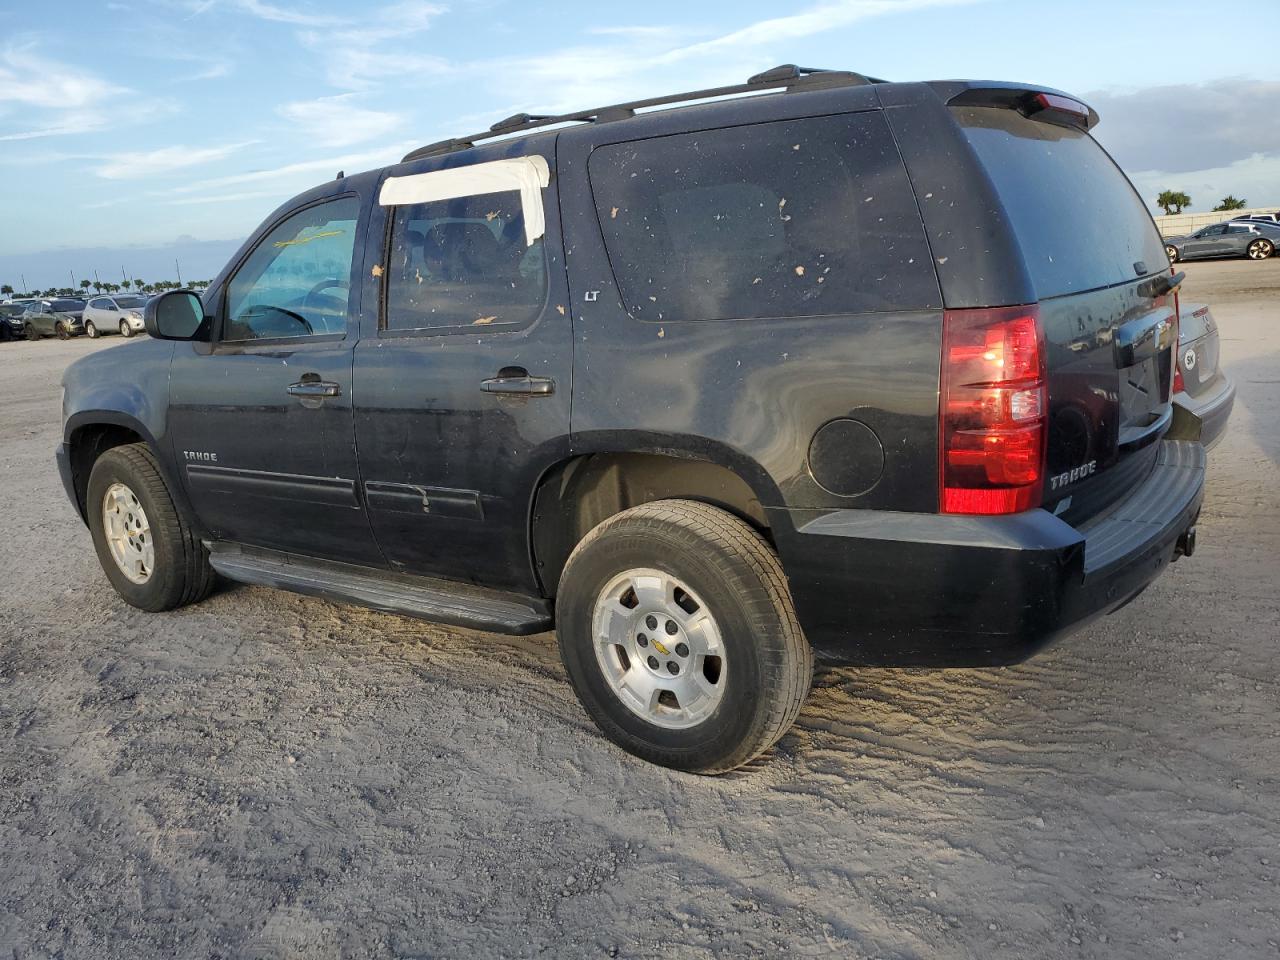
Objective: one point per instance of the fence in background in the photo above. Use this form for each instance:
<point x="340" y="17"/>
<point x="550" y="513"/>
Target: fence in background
<point x="1180" y="224"/>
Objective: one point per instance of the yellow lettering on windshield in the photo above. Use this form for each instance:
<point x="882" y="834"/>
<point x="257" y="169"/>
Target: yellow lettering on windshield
<point x="314" y="236"/>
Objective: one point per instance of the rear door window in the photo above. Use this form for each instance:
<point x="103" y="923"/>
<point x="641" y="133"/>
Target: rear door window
<point x="464" y="262"/>
<point x="1081" y="224"/>
<point x="791" y="218"/>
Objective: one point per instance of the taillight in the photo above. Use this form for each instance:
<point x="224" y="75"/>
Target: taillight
<point x="992" y="412"/>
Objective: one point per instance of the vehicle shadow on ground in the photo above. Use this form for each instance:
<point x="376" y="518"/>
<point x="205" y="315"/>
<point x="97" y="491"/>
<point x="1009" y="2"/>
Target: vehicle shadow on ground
<point x="1257" y="381"/>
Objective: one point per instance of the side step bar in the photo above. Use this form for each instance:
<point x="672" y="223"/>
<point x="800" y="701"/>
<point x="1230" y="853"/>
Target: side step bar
<point x="442" y="601"/>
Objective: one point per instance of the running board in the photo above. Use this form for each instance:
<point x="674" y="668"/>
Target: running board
<point x="441" y="601"/>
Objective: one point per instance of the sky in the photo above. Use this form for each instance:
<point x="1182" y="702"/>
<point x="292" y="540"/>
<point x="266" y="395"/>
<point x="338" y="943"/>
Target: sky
<point x="131" y="127"/>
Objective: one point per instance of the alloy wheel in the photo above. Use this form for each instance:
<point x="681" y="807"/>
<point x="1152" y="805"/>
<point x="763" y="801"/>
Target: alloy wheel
<point x="128" y="533"/>
<point x="659" y="648"/>
<point x="1259" y="250"/>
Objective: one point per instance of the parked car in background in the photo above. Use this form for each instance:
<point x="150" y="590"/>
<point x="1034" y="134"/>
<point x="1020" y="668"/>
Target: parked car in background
<point x="1258" y="218"/>
<point x="62" y="318"/>
<point x="119" y="313"/>
<point x="1231" y="239"/>
<point x="1199" y="383"/>
<point x="11" y="319"/>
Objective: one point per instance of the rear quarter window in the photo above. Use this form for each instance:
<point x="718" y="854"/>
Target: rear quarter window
<point x="1080" y="223"/>
<point x="790" y="218"/>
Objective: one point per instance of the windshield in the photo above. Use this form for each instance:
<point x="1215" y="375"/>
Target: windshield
<point x="129" y="303"/>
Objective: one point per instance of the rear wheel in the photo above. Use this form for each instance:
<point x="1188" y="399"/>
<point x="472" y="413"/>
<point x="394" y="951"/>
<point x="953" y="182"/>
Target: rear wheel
<point x="90" y="330"/>
<point x="1172" y="253"/>
<point x="1260" y="249"/>
<point x="147" y="548"/>
<point x="125" y="329"/>
<point x="679" y="636"/>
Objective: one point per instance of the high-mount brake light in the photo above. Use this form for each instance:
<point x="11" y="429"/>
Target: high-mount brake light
<point x="1053" y="101"/>
<point x="992" y="412"/>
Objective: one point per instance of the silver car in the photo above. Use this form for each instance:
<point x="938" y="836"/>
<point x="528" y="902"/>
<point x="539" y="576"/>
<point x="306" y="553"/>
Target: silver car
<point x="118" y="313"/>
<point x="1199" y="383"/>
<point x="1257" y="241"/>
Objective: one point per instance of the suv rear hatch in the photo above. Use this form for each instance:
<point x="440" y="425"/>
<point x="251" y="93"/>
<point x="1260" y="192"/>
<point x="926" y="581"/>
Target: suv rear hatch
<point x="1099" y="276"/>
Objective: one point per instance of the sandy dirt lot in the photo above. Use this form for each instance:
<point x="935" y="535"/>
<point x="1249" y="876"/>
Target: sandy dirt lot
<point x="273" y="776"/>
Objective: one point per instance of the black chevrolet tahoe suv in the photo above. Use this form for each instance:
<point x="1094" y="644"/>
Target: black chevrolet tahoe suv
<point x="874" y="371"/>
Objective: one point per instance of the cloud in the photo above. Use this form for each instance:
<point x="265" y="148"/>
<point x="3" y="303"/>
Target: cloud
<point x="1255" y="179"/>
<point x="303" y="171"/>
<point x="336" y="122"/>
<point x="28" y="79"/>
<point x="357" y="56"/>
<point x="270" y="12"/>
<point x="638" y="60"/>
<point x="44" y="97"/>
<point x="1181" y="128"/>
<point x="142" y="164"/>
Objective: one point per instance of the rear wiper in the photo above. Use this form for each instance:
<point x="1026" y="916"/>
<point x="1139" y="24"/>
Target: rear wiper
<point x="1158" y="286"/>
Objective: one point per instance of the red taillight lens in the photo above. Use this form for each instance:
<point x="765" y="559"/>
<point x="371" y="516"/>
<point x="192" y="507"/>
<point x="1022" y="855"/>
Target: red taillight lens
<point x="992" y="410"/>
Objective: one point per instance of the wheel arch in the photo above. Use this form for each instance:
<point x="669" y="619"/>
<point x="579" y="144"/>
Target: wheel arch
<point x="579" y="492"/>
<point x="91" y="433"/>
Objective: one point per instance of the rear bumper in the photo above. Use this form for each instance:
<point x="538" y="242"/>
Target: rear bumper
<point x="903" y="589"/>
<point x="1213" y="409"/>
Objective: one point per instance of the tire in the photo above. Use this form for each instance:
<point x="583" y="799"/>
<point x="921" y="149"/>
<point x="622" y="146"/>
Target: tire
<point x="179" y="573"/>
<point x="1260" y="249"/>
<point x="61" y="330"/>
<point x="741" y="702"/>
<point x="91" y="330"/>
<point x="125" y="329"/>
<point x="1172" y="253"/>
<point x="31" y="332"/>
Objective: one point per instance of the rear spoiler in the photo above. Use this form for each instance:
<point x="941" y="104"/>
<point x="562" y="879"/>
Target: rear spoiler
<point x="1039" y="103"/>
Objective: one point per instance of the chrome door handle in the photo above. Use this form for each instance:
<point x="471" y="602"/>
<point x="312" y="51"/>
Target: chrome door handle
<point x="527" y="385"/>
<point x="314" y="388"/>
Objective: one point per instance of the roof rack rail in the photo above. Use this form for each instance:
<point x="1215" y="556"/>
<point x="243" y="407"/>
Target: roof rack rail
<point x="788" y="77"/>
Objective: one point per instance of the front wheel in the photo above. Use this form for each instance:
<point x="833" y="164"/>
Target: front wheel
<point x="61" y="330"/>
<point x="147" y="548"/>
<point x="125" y="329"/>
<point x="31" y="332"/>
<point x="679" y="636"/>
<point x="1261" y="249"/>
<point x="90" y="330"/>
<point x="1172" y="253"/>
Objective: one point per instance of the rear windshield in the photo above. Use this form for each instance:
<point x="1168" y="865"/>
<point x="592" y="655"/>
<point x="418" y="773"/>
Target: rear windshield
<point x="785" y="219"/>
<point x="64" y="305"/>
<point x="1079" y="221"/>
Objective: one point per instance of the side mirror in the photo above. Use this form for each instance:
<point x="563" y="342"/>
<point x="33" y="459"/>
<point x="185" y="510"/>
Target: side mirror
<point x="174" y="315"/>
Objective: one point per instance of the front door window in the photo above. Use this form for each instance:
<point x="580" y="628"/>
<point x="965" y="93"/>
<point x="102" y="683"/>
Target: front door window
<point x="296" y="281"/>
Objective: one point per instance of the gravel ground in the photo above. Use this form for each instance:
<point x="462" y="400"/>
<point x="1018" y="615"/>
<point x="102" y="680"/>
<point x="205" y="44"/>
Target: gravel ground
<point x="274" y="776"/>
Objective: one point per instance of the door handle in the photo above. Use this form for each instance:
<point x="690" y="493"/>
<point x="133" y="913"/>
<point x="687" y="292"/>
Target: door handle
<point x="314" y="388"/>
<point x="517" y="380"/>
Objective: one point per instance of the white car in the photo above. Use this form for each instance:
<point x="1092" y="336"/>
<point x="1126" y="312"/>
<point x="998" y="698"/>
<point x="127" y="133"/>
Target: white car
<point x="119" y="313"/>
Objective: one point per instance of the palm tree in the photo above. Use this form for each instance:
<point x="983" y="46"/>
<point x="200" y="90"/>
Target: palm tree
<point x="1229" y="203"/>
<point x="137" y="283"/>
<point x="6" y="290"/>
<point x="85" y="285"/>
<point x="1172" y="201"/>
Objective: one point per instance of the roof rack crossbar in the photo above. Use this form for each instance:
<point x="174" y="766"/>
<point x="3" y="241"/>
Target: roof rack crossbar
<point x="787" y="76"/>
